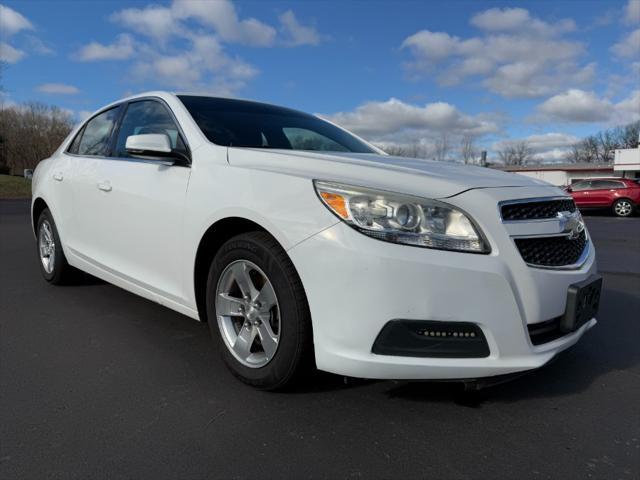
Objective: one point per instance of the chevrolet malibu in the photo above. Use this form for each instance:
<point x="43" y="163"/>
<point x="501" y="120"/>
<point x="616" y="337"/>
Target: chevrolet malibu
<point x="303" y="246"/>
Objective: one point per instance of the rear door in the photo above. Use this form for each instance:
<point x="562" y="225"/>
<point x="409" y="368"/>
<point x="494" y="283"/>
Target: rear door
<point x="86" y="156"/>
<point x="603" y="192"/>
<point x="139" y="213"/>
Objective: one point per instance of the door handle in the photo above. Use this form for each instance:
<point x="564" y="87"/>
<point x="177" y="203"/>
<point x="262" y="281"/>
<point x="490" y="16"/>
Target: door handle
<point x="58" y="177"/>
<point x="104" y="186"/>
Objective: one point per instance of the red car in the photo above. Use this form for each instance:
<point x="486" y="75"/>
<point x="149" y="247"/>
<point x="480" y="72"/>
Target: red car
<point x="621" y="195"/>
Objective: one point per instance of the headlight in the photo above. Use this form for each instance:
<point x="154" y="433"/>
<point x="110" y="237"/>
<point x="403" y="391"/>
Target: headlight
<point x="402" y="219"/>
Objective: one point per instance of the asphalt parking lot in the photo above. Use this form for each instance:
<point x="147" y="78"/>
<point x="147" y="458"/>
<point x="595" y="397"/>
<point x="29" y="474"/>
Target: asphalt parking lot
<point x="98" y="383"/>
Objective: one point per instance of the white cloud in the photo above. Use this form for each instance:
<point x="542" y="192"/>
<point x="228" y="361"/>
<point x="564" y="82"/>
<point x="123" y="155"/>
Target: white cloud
<point x="399" y="123"/>
<point x="297" y="33"/>
<point x="632" y="12"/>
<point x="223" y="17"/>
<point x="121" y="49"/>
<point x="518" y="20"/>
<point x="11" y="22"/>
<point x="58" y="89"/>
<point x="203" y="67"/>
<point x="628" y="110"/>
<point x="184" y="44"/>
<point x="629" y="46"/>
<point x="580" y="106"/>
<point x="10" y="54"/>
<point x="153" y="21"/>
<point x="517" y="55"/>
<point x="576" y="105"/>
<point x="163" y="22"/>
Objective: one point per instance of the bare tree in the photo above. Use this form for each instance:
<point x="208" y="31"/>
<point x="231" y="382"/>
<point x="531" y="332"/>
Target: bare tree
<point x="591" y="149"/>
<point x="601" y="146"/>
<point x="441" y="147"/>
<point x="31" y="132"/>
<point x="515" y="153"/>
<point x="627" y="136"/>
<point x="411" y="150"/>
<point x="607" y="146"/>
<point x="468" y="149"/>
<point x="574" y="154"/>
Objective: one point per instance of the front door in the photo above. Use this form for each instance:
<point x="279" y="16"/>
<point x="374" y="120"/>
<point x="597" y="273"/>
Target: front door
<point x="140" y="209"/>
<point x="580" y="193"/>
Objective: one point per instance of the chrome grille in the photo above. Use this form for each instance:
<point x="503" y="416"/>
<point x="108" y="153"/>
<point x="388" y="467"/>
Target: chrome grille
<point x="536" y="210"/>
<point x="552" y="251"/>
<point x="548" y="232"/>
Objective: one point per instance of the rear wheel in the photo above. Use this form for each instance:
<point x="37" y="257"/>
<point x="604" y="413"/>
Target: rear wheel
<point x="53" y="263"/>
<point x="258" y="312"/>
<point x="623" y="207"/>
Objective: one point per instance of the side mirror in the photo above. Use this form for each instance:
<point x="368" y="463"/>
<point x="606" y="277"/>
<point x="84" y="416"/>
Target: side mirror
<point x="569" y="189"/>
<point x="154" y="146"/>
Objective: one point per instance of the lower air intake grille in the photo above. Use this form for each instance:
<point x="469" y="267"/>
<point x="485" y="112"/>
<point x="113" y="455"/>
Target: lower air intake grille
<point x="552" y="251"/>
<point x="545" y="332"/>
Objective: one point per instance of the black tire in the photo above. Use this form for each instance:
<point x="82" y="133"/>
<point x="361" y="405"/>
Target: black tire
<point x="623" y="207"/>
<point x="62" y="272"/>
<point x="294" y="357"/>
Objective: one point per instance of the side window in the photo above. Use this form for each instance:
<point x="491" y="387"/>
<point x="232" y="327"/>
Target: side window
<point x="96" y="134"/>
<point x="576" y="187"/>
<point x="303" y="139"/>
<point x="607" y="184"/>
<point x="148" y="116"/>
<point x="73" y="148"/>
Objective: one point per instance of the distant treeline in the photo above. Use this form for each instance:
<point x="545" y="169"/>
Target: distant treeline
<point x="600" y="148"/>
<point x="29" y="133"/>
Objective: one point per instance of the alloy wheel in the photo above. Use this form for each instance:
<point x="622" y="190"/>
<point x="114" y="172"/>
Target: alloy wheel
<point x="623" y="208"/>
<point x="248" y="313"/>
<point x="47" y="246"/>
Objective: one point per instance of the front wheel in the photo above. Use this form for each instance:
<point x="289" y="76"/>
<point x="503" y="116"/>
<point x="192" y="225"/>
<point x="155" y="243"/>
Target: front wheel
<point x="623" y="207"/>
<point x="258" y="311"/>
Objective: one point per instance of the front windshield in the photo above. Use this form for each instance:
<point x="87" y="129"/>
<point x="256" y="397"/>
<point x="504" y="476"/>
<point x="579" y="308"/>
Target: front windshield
<point x="239" y="123"/>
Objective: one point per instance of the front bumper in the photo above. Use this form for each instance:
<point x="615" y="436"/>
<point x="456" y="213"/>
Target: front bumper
<point x="356" y="284"/>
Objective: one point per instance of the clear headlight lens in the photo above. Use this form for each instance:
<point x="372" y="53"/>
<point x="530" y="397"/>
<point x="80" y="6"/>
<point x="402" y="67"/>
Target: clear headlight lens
<point x="402" y="219"/>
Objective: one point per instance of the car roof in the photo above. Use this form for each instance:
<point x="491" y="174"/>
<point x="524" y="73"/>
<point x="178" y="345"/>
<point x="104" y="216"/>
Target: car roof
<point x="237" y="103"/>
<point x="619" y="179"/>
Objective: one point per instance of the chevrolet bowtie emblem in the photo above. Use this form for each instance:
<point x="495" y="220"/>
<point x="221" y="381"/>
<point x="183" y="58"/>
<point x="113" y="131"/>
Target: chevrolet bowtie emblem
<point x="571" y="223"/>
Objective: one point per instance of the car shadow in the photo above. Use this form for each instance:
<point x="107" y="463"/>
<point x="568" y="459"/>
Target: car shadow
<point x="604" y="212"/>
<point x="610" y="346"/>
<point x="82" y="279"/>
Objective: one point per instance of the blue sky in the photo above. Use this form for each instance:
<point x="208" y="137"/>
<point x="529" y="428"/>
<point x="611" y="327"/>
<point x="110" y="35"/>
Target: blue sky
<point x="403" y="72"/>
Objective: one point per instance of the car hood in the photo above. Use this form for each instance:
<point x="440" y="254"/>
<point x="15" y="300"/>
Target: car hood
<point x="399" y="174"/>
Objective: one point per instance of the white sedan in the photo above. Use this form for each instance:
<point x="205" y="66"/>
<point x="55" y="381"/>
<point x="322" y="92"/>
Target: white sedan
<point x="304" y="246"/>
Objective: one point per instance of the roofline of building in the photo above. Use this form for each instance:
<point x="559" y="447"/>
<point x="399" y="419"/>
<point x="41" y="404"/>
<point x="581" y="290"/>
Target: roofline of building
<point x="604" y="167"/>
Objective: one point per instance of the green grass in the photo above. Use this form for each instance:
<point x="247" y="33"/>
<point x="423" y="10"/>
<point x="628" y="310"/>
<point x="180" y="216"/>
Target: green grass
<point x="14" y="187"/>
